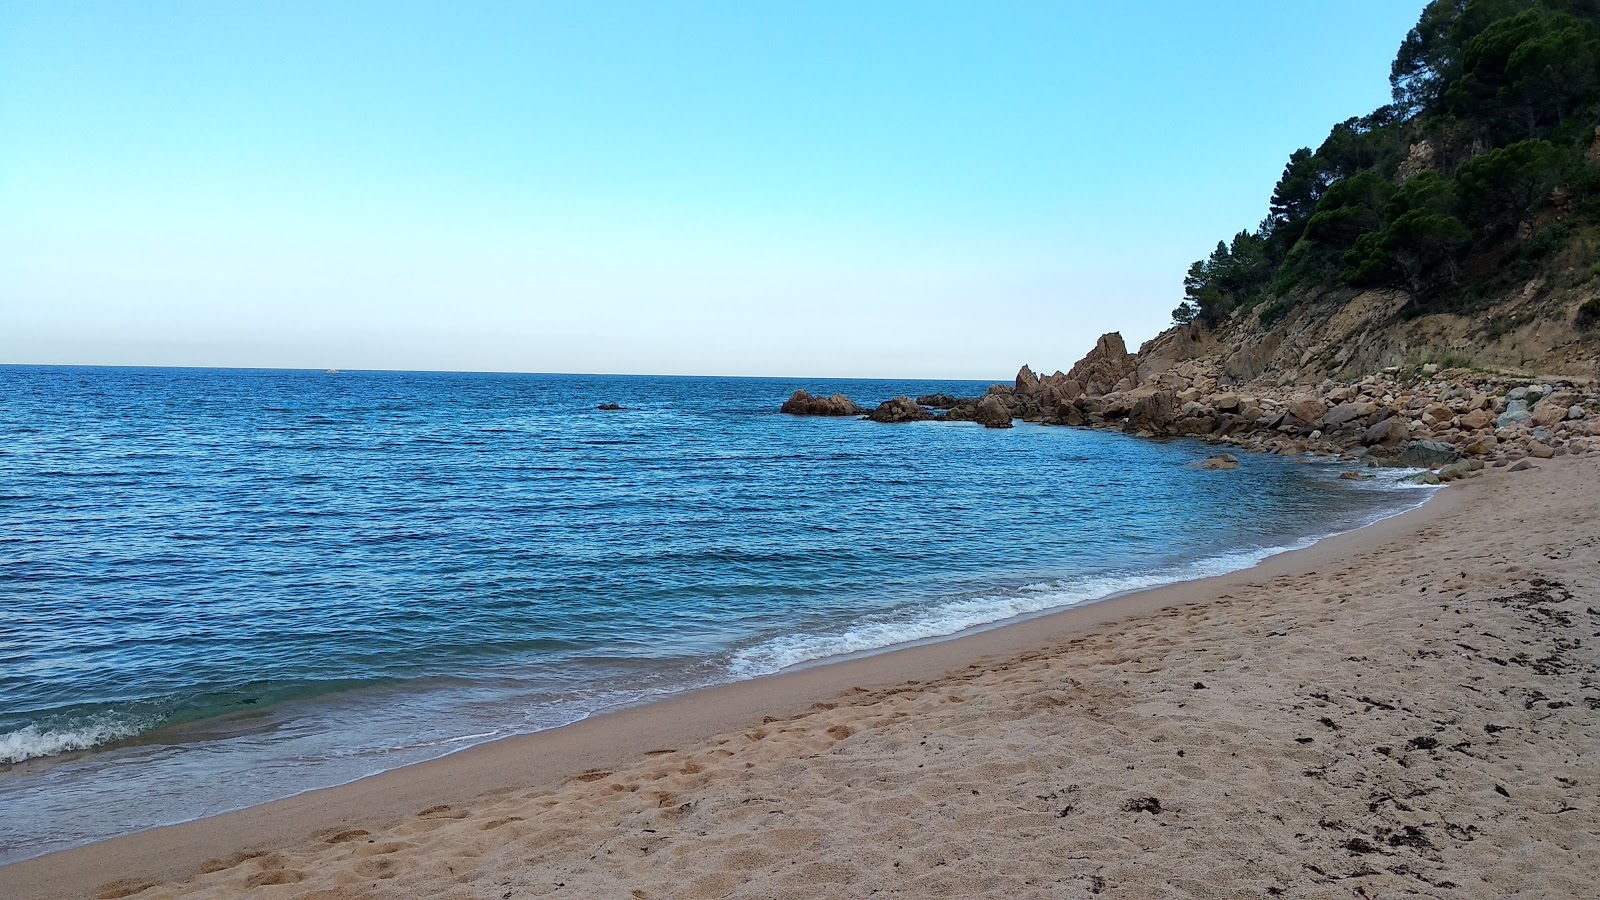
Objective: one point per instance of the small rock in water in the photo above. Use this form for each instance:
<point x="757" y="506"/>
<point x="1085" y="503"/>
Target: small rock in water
<point x="1221" y="462"/>
<point x="611" y="407"/>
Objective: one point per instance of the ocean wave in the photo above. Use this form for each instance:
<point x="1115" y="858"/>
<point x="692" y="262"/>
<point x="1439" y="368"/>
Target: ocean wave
<point x="35" y="741"/>
<point x="950" y="617"/>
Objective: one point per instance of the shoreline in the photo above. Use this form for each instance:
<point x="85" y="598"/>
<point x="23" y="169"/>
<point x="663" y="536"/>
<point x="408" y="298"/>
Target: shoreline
<point x="618" y="737"/>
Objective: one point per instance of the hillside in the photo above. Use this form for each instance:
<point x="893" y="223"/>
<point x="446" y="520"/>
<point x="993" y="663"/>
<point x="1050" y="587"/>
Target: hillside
<point x="1459" y="223"/>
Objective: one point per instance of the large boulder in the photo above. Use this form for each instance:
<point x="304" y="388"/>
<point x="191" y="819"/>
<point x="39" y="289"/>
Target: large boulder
<point x="1153" y="412"/>
<point x="1390" y="431"/>
<point x="801" y="403"/>
<point x="1345" y="413"/>
<point x="1553" y="408"/>
<point x="939" y="401"/>
<point x="1517" y="413"/>
<point x="1307" y="410"/>
<point x="1417" y="455"/>
<point x="900" y="409"/>
<point x="992" y="412"/>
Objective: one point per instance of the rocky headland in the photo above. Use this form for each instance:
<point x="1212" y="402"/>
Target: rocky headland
<point x="1184" y="383"/>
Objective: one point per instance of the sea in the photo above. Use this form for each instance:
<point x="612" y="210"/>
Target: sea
<point x="220" y="587"/>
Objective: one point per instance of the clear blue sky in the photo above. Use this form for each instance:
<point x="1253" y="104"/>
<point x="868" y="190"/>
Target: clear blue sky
<point x="856" y="188"/>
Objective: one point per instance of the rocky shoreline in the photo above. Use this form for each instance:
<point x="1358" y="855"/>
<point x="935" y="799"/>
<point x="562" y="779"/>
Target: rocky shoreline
<point x="1454" y="420"/>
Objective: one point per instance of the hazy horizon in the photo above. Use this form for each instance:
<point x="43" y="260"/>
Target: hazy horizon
<point x="679" y="188"/>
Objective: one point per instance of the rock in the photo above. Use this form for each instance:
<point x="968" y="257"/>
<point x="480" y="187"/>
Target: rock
<point x="1517" y="393"/>
<point x="1026" y="380"/>
<point x="1422" y="454"/>
<point x="992" y="413"/>
<point x="1436" y="413"/>
<point x="1551" y="411"/>
<point x="897" y="410"/>
<point x="1477" y="420"/>
<point x="1575" y="412"/>
<point x="1355" y="476"/>
<point x="801" y="403"/>
<point x="1105" y="367"/>
<point x="1421" y="478"/>
<point x="1220" y="462"/>
<point x="938" y="401"/>
<point x="1345" y="413"/>
<point x="1392" y="430"/>
<point x="611" y="407"/>
<point x="1516" y="413"/>
<point x="1456" y="470"/>
<point x="1521" y="465"/>
<point x="1226" y="402"/>
<point x="1154" y="412"/>
<point x="1540" y="451"/>
<point x="1478" y="445"/>
<point x="1308" y="410"/>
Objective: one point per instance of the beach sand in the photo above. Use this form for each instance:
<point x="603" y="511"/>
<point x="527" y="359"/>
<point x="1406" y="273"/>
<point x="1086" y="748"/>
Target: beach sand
<point x="1409" y="710"/>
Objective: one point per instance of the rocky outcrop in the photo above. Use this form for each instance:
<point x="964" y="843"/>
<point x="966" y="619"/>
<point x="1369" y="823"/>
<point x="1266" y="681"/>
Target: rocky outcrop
<point x="801" y="403"/>
<point x="992" y="412"/>
<point x="1107" y="368"/>
<point x="900" y="409"/>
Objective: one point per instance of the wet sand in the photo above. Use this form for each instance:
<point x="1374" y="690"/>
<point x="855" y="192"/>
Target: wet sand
<point x="1410" y="709"/>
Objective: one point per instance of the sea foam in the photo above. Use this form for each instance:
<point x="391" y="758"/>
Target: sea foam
<point x="34" y="741"/>
<point x="914" y="624"/>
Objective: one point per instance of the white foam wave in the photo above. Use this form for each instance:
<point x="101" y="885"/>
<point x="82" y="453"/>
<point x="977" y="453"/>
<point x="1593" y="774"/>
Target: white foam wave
<point x="954" y="616"/>
<point x="34" y="741"/>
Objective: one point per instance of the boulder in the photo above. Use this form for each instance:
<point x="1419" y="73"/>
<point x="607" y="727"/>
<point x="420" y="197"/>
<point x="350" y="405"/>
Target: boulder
<point x="1153" y="412"/>
<point x="1478" y="445"/>
<point x="1477" y="420"/>
<point x="1345" y="413"/>
<point x="1390" y="431"/>
<point x="1417" y="455"/>
<point x="992" y="413"/>
<point x="1026" y="380"/>
<point x="938" y="401"/>
<point x="1307" y="410"/>
<point x="801" y="403"/>
<point x="1517" y="413"/>
<point x="1552" y="409"/>
<point x="1226" y="402"/>
<point x="900" y="409"/>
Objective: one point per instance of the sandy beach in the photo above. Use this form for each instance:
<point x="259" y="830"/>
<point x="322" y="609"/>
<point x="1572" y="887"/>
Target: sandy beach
<point x="1407" y="710"/>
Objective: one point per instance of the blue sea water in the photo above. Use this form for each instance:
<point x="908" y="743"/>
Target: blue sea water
<point x="220" y="587"/>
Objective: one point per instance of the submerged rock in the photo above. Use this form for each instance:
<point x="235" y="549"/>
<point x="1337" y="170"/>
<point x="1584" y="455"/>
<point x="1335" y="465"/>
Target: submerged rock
<point x="611" y="407"/>
<point x="1220" y="462"/>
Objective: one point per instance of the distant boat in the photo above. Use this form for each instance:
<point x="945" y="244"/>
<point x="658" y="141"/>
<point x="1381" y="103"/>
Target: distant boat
<point x="331" y="372"/>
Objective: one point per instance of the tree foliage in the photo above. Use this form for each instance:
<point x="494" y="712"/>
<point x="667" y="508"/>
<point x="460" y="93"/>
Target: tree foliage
<point x="1495" y="103"/>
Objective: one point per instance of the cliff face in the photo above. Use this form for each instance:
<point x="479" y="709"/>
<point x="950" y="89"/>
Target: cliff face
<point x="1533" y="332"/>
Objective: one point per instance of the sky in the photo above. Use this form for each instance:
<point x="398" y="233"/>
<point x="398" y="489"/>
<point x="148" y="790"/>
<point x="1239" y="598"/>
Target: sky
<point x="875" y="189"/>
